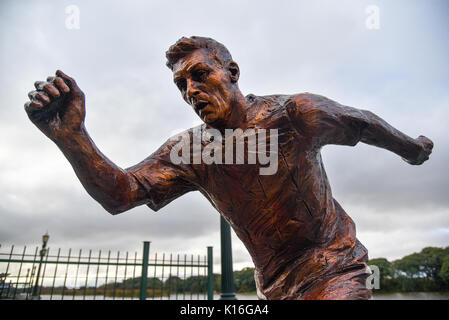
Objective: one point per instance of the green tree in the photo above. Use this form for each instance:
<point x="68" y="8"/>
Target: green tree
<point x="421" y="271"/>
<point x="409" y="266"/>
<point x="444" y="272"/>
<point x="385" y="267"/>
<point x="196" y="284"/>
<point x="244" y="280"/>
<point x="432" y="261"/>
<point x="217" y="282"/>
<point x="174" y="284"/>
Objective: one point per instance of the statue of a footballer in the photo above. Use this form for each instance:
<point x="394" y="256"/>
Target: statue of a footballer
<point x="302" y="242"/>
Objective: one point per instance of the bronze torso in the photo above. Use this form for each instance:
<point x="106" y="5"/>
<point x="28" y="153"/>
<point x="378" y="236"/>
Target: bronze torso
<point x="295" y="232"/>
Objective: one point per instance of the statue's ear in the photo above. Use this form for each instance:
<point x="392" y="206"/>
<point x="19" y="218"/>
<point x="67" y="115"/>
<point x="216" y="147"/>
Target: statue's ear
<point x="234" y="71"/>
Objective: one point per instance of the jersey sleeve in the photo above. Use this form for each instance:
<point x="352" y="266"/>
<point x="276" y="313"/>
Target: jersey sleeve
<point x="162" y="180"/>
<point x="325" y="121"/>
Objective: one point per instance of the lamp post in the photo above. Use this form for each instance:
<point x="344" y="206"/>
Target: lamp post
<point x="227" y="273"/>
<point x="42" y="253"/>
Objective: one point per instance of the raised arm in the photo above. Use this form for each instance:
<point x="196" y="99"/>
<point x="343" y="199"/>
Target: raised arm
<point x="57" y="108"/>
<point x="328" y="122"/>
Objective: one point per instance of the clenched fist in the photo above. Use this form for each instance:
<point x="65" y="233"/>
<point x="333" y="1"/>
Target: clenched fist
<point x="426" y="146"/>
<point x="57" y="106"/>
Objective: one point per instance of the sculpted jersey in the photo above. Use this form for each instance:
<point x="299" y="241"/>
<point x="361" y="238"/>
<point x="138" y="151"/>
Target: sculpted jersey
<point x="299" y="237"/>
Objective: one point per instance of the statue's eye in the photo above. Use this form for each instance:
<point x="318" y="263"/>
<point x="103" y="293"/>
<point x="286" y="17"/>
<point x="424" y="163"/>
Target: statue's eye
<point x="181" y="84"/>
<point x="199" y="75"/>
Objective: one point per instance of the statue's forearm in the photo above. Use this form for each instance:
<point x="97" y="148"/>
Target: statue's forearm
<point x="379" y="133"/>
<point x="107" y="183"/>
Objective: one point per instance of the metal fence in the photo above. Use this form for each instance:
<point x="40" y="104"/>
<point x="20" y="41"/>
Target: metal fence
<point x="104" y="275"/>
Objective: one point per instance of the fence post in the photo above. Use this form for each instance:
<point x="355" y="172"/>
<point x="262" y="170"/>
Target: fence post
<point x="143" y="279"/>
<point x="227" y="273"/>
<point x="210" y="274"/>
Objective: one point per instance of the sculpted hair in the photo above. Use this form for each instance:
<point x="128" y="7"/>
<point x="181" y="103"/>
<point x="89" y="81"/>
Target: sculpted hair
<point x="185" y="46"/>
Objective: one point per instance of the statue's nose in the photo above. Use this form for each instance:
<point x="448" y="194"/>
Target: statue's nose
<point x="192" y="92"/>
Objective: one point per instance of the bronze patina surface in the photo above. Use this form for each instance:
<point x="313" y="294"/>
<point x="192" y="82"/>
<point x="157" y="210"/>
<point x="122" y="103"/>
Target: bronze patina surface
<point x="303" y="244"/>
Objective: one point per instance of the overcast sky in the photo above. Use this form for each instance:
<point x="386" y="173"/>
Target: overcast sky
<point x="399" y="71"/>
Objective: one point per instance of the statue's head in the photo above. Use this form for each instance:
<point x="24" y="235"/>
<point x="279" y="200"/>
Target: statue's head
<point x="206" y="75"/>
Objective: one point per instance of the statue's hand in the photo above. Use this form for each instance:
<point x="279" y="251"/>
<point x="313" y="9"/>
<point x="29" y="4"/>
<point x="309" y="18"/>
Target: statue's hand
<point x="57" y="106"/>
<point x="426" y="149"/>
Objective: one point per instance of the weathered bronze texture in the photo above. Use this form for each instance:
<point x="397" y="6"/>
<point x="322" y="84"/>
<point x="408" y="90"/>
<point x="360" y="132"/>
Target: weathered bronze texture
<point x="302" y="242"/>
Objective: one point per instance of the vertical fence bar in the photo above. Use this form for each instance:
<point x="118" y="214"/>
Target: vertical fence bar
<point x="116" y="272"/>
<point x="191" y="277"/>
<point x="31" y="289"/>
<point x="31" y="283"/>
<point x="43" y="274"/>
<point x="96" y="277"/>
<point x="66" y="272"/>
<point x="9" y="288"/>
<point x="107" y="272"/>
<point x="26" y="282"/>
<point x="210" y="274"/>
<point x="184" y="282"/>
<point x="162" y="280"/>
<point x="76" y="275"/>
<point x="124" y="277"/>
<point x="205" y="266"/>
<point x="199" y="279"/>
<point x="134" y="274"/>
<point x="7" y="269"/>
<point x="54" y="276"/>
<point x="143" y="279"/>
<point x="177" y="276"/>
<point x="169" y="278"/>
<point x="204" y="277"/>
<point x="87" y="274"/>
<point x="153" y="284"/>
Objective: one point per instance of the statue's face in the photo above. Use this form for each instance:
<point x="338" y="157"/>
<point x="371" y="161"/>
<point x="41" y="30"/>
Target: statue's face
<point x="206" y="86"/>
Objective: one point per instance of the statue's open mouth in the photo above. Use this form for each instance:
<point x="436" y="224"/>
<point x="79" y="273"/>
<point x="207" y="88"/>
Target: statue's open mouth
<point x="201" y="105"/>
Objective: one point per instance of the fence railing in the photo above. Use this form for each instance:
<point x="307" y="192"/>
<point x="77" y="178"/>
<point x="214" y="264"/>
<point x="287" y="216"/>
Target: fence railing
<point x="104" y="275"/>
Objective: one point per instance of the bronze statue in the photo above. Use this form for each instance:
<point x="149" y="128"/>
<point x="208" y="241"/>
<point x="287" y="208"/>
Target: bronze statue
<point x="302" y="242"/>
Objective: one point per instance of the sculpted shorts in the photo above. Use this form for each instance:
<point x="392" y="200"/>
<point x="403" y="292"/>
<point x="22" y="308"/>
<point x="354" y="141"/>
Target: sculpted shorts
<point x="350" y="285"/>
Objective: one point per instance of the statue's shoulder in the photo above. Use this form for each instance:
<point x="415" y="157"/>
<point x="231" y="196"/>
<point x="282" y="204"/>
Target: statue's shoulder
<point x="286" y="99"/>
<point x="306" y="102"/>
<point x="306" y="98"/>
<point x="277" y="104"/>
<point x="283" y="100"/>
